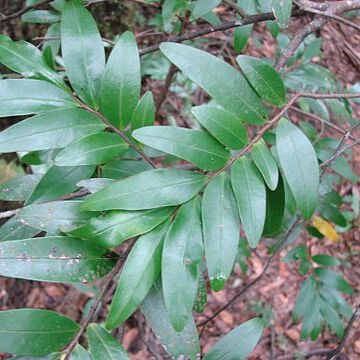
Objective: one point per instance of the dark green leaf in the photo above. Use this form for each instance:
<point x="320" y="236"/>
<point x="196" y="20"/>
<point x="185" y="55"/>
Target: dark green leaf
<point x="332" y="214"/>
<point x="241" y="37"/>
<point x="275" y="209"/>
<point x="103" y="346"/>
<point x="19" y="188"/>
<point x="332" y="318"/>
<point x="326" y="260"/>
<point x="79" y="353"/>
<point x="54" y="217"/>
<point x="34" y="332"/>
<point x="181" y="263"/>
<point x="94" y="149"/>
<point x="238" y="343"/>
<point x="50" y="130"/>
<point x="28" y="96"/>
<point x="250" y="195"/>
<point x="59" y="181"/>
<point x="144" y="113"/>
<point x="112" y="229"/>
<point x="118" y="169"/>
<point x="220" y="80"/>
<point x="192" y="145"/>
<point x="266" y="163"/>
<point x="41" y="17"/>
<point x="201" y="294"/>
<point x="148" y="190"/>
<point x="264" y="79"/>
<point x="305" y="299"/>
<point x="54" y="259"/>
<point x="141" y="270"/>
<point x="333" y="279"/>
<point x="282" y="11"/>
<point x="224" y="126"/>
<point x="83" y="51"/>
<point x="221" y="227"/>
<point x="26" y="59"/>
<point x="300" y="166"/>
<point x="177" y="344"/>
<point x="122" y="81"/>
<point x="14" y="229"/>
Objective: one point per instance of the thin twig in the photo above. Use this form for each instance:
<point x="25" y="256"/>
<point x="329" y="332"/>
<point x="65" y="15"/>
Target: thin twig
<point x="22" y="11"/>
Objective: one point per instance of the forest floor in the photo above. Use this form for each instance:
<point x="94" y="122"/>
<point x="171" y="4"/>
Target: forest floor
<point x="276" y="293"/>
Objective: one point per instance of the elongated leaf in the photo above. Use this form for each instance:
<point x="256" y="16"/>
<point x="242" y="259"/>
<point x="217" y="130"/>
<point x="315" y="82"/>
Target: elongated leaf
<point x="333" y="279"/>
<point x="221" y="227"/>
<point x="250" y="196"/>
<point x="14" y="229"/>
<point x="50" y="130"/>
<point x="92" y="150"/>
<point x="103" y="346"/>
<point x="148" y="190"/>
<point x="141" y="270"/>
<point x="41" y="17"/>
<point x="54" y="217"/>
<point x="83" y="51"/>
<point x="264" y="79"/>
<point x="184" y="343"/>
<point x="53" y="33"/>
<point x="266" y="163"/>
<point x="224" y="126"/>
<point x="326" y="260"/>
<point x="300" y="166"/>
<point x="192" y="145"/>
<point x="95" y="184"/>
<point x="275" y="208"/>
<point x="114" y="228"/>
<point x="202" y="7"/>
<point x="282" y="11"/>
<point x="181" y="263"/>
<point x="34" y="332"/>
<point x="27" y="96"/>
<point x="122" y="81"/>
<point x="55" y="259"/>
<point x="79" y="353"/>
<point x="144" y="113"/>
<point x="238" y="343"/>
<point x="19" y="188"/>
<point x="26" y="59"/>
<point x="59" y="181"/>
<point x="220" y="80"/>
<point x="119" y="169"/>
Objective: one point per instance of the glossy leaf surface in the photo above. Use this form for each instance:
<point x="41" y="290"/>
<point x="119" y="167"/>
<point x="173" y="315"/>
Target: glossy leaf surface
<point x="144" y="113"/>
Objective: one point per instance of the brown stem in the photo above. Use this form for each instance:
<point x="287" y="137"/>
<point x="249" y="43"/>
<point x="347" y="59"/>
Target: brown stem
<point x="22" y="11"/>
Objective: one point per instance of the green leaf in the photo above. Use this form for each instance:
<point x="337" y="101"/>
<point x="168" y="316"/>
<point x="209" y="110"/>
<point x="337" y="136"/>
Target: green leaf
<point x="28" y="96"/>
<point x="264" y="79"/>
<point x="103" y="346"/>
<point x="201" y="294"/>
<point x="221" y="227"/>
<point x="202" y="7"/>
<point x="332" y="214"/>
<point x="275" y="209"/>
<point x="14" y="229"/>
<point x="140" y="271"/>
<point x="332" y="318"/>
<point x="181" y="263"/>
<point x="59" y="181"/>
<point x="34" y="332"/>
<point x="241" y="37"/>
<point x="250" y="196"/>
<point x="266" y="163"/>
<point x="49" y="130"/>
<point x="54" y="217"/>
<point x="144" y="113"/>
<point x="217" y="78"/>
<point x="122" y="81"/>
<point x="83" y="51"/>
<point x="326" y="260"/>
<point x="238" y="343"/>
<point x="94" y="149"/>
<point x="224" y="126"/>
<point x="26" y="59"/>
<point x="192" y="145"/>
<point x="53" y="33"/>
<point x="118" y="169"/>
<point x="41" y="17"/>
<point x="19" y="188"/>
<point x="333" y="279"/>
<point x="300" y="166"/>
<point x="79" y="353"/>
<point x="54" y="259"/>
<point x="282" y="11"/>
<point x="113" y="229"/>
<point x="184" y="343"/>
<point x="306" y="298"/>
<point x="148" y="190"/>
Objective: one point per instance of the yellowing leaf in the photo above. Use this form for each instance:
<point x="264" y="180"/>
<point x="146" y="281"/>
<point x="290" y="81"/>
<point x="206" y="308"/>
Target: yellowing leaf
<point x="325" y="228"/>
